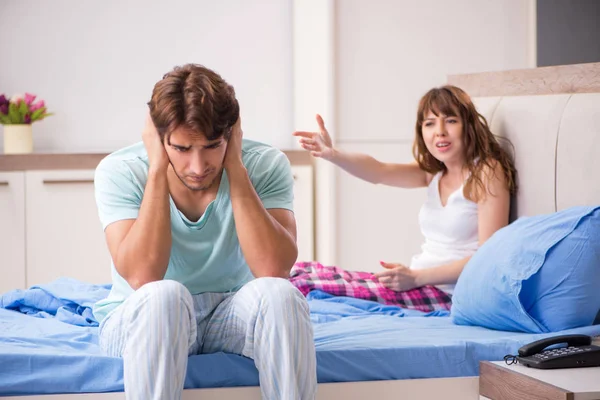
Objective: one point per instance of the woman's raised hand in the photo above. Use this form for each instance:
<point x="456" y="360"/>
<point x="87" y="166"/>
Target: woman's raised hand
<point x="318" y="143"/>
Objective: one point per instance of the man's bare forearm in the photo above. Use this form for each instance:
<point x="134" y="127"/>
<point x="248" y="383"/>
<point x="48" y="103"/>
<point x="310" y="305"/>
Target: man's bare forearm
<point x="269" y="249"/>
<point x="143" y="255"/>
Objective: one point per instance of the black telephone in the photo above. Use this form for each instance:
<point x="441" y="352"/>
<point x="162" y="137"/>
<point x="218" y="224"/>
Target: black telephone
<point x="579" y="352"/>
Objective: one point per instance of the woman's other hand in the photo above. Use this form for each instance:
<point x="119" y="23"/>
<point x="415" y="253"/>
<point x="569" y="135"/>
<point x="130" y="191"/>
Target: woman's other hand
<point x="397" y="277"/>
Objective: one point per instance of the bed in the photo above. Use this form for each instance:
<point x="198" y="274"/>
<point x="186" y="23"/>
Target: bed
<point x="356" y="341"/>
<point x="363" y="349"/>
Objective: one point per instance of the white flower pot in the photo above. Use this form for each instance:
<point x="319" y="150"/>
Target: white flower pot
<point x="18" y="139"/>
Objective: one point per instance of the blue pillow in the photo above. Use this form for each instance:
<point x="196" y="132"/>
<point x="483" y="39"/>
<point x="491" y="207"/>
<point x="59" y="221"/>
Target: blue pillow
<point x="539" y="274"/>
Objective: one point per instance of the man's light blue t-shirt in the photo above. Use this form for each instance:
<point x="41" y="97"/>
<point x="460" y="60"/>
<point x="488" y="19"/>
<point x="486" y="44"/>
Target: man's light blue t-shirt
<point x="205" y="255"/>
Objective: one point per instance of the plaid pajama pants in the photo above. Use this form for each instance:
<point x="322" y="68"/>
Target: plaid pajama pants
<point x="308" y="276"/>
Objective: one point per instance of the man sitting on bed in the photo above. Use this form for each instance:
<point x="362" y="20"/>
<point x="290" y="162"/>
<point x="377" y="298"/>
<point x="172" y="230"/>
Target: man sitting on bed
<point x="200" y="228"/>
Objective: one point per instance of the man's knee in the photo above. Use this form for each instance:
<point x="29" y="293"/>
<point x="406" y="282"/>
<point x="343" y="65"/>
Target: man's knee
<point x="161" y="301"/>
<point x="167" y="292"/>
<point x="280" y="292"/>
<point x="161" y="309"/>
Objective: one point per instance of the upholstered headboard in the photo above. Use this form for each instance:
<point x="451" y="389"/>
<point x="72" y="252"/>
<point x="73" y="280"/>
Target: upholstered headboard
<point x="552" y="117"/>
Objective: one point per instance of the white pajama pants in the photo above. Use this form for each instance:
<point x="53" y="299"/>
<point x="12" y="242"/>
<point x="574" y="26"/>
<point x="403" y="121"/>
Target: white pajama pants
<point x="161" y="324"/>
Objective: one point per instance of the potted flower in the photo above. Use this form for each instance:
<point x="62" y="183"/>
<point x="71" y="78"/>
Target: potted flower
<point x="17" y="115"/>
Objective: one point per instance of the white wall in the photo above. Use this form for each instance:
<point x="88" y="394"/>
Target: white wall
<point x="96" y="62"/>
<point x="362" y="64"/>
<point x="389" y="53"/>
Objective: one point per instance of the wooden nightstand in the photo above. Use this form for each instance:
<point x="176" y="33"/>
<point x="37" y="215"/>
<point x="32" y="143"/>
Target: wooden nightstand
<point x="498" y="381"/>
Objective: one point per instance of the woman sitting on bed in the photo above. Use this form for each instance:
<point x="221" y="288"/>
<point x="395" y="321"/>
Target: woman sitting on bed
<point x="469" y="179"/>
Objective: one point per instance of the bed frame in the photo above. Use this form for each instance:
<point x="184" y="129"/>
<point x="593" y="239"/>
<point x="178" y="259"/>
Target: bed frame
<point x="551" y="116"/>
<point x="439" y="388"/>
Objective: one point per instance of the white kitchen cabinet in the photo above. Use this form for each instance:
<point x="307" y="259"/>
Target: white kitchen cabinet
<point x="64" y="234"/>
<point x="304" y="211"/>
<point x="12" y="231"/>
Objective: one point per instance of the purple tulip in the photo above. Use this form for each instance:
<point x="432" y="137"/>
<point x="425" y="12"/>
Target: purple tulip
<point x="29" y="98"/>
<point x="3" y="100"/>
<point x="4" y="108"/>
<point x="36" y="106"/>
<point x="27" y="118"/>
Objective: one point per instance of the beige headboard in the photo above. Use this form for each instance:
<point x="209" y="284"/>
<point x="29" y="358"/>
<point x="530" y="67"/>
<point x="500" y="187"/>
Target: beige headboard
<point x="552" y="117"/>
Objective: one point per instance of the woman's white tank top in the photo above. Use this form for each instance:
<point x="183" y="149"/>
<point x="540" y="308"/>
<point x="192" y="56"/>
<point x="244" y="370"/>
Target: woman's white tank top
<point x="450" y="231"/>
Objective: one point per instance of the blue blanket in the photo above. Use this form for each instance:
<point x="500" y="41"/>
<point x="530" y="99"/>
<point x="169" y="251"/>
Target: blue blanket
<point x="66" y="299"/>
<point x="71" y="301"/>
<point x="330" y="308"/>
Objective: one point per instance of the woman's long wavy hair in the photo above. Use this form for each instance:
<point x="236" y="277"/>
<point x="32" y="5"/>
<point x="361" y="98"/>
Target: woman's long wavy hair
<point x="482" y="149"/>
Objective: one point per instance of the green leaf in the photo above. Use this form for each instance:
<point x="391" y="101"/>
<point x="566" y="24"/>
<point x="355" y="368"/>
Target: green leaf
<point x="4" y="119"/>
<point x="38" y="114"/>
<point x="44" y="116"/>
<point x="14" y="114"/>
<point x="23" y="109"/>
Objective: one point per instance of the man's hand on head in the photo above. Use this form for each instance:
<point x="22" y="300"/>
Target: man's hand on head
<point x="233" y="155"/>
<point x="157" y="155"/>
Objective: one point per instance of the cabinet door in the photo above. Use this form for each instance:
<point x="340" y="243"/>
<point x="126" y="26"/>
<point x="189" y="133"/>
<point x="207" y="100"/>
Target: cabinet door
<point x="64" y="234"/>
<point x="304" y="211"/>
<point x="12" y="231"/>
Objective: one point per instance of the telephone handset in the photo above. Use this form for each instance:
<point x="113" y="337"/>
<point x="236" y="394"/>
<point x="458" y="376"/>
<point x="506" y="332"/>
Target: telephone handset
<point x="538" y="346"/>
<point x="579" y="352"/>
